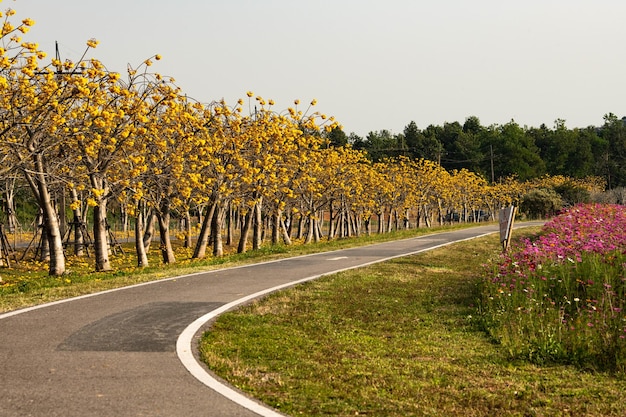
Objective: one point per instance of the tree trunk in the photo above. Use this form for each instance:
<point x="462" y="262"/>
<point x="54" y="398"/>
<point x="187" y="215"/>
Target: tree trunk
<point x="257" y="235"/>
<point x="167" y="252"/>
<point x="100" y="236"/>
<point x="310" y="230"/>
<point x="300" y="226"/>
<point x="9" y="205"/>
<point x="331" y="221"/>
<point x="381" y="222"/>
<point x="77" y="224"/>
<point x="440" y="212"/>
<point x="229" y="225"/>
<point x="44" y="246"/>
<point x="61" y="213"/>
<point x="341" y="225"/>
<point x="354" y="220"/>
<point x="188" y="241"/>
<point x="142" y="255"/>
<point x="50" y="222"/>
<point x="245" y="231"/>
<point x="317" y="230"/>
<point x="283" y="228"/>
<point x="100" y="232"/>
<point x="275" y="227"/>
<point x="289" y="224"/>
<point x="205" y="232"/>
<point x="427" y="220"/>
<point x="216" y="230"/>
<point x="266" y="225"/>
<point x="418" y="221"/>
<point x="124" y="219"/>
<point x="148" y="232"/>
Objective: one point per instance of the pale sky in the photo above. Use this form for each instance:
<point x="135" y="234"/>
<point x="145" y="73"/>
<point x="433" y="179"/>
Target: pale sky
<point x="372" y="64"/>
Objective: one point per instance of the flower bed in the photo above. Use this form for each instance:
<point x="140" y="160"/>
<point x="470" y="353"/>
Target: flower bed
<point x="560" y="297"/>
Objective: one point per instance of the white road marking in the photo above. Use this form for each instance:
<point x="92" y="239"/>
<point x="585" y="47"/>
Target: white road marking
<point x="185" y="350"/>
<point x="338" y="258"/>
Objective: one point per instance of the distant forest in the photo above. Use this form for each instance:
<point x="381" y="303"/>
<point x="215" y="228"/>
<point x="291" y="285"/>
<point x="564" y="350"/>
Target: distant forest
<point x="498" y="151"/>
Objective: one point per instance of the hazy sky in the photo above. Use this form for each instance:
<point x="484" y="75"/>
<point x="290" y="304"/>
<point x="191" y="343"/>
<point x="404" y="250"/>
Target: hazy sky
<point x="372" y="64"/>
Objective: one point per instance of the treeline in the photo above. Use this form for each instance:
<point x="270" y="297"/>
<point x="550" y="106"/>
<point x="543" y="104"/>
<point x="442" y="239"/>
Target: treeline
<point x="498" y="151"/>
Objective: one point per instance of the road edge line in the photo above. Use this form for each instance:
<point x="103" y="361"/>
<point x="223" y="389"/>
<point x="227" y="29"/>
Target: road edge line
<point x="184" y="343"/>
<point x="11" y="313"/>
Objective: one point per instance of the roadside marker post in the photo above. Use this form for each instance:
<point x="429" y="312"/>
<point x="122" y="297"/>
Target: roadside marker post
<point x="506" y="218"/>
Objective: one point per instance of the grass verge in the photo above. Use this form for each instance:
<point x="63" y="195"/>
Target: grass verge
<point x="395" y="339"/>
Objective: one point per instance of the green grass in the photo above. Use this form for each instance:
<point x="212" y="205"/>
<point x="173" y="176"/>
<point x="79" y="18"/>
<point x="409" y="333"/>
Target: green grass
<point x="27" y="283"/>
<point x="395" y="339"/>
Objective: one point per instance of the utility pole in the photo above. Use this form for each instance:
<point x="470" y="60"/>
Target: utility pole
<point x="62" y="204"/>
<point x="492" y="173"/>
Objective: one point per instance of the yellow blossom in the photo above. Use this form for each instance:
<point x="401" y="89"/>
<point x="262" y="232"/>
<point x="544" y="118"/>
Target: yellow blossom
<point x="7" y="28"/>
<point x="92" y="43"/>
<point x="97" y="192"/>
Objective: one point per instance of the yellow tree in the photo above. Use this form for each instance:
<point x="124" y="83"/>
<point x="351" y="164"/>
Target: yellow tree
<point x="503" y="193"/>
<point x="415" y="188"/>
<point x="397" y="174"/>
<point x="273" y="154"/>
<point x="425" y="181"/>
<point x="279" y="192"/>
<point x="263" y="141"/>
<point x="312" y="162"/>
<point x="12" y="56"/>
<point x="220" y="175"/>
<point x="341" y="182"/>
<point x="175" y="134"/>
<point x="103" y="127"/>
<point x="366" y="182"/>
<point x="469" y="192"/>
<point x="589" y="184"/>
<point x="382" y="192"/>
<point x="442" y="193"/>
<point x="30" y="101"/>
<point x="286" y="143"/>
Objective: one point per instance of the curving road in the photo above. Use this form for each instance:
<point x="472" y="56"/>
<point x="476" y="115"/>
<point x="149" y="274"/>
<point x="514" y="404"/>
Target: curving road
<point x="115" y="353"/>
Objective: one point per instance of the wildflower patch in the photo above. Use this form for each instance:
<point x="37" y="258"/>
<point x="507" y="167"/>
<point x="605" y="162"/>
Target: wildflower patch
<point x="560" y="297"/>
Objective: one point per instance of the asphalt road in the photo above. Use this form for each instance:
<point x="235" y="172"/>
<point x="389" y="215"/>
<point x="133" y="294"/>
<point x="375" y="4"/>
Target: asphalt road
<point x="115" y="353"/>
